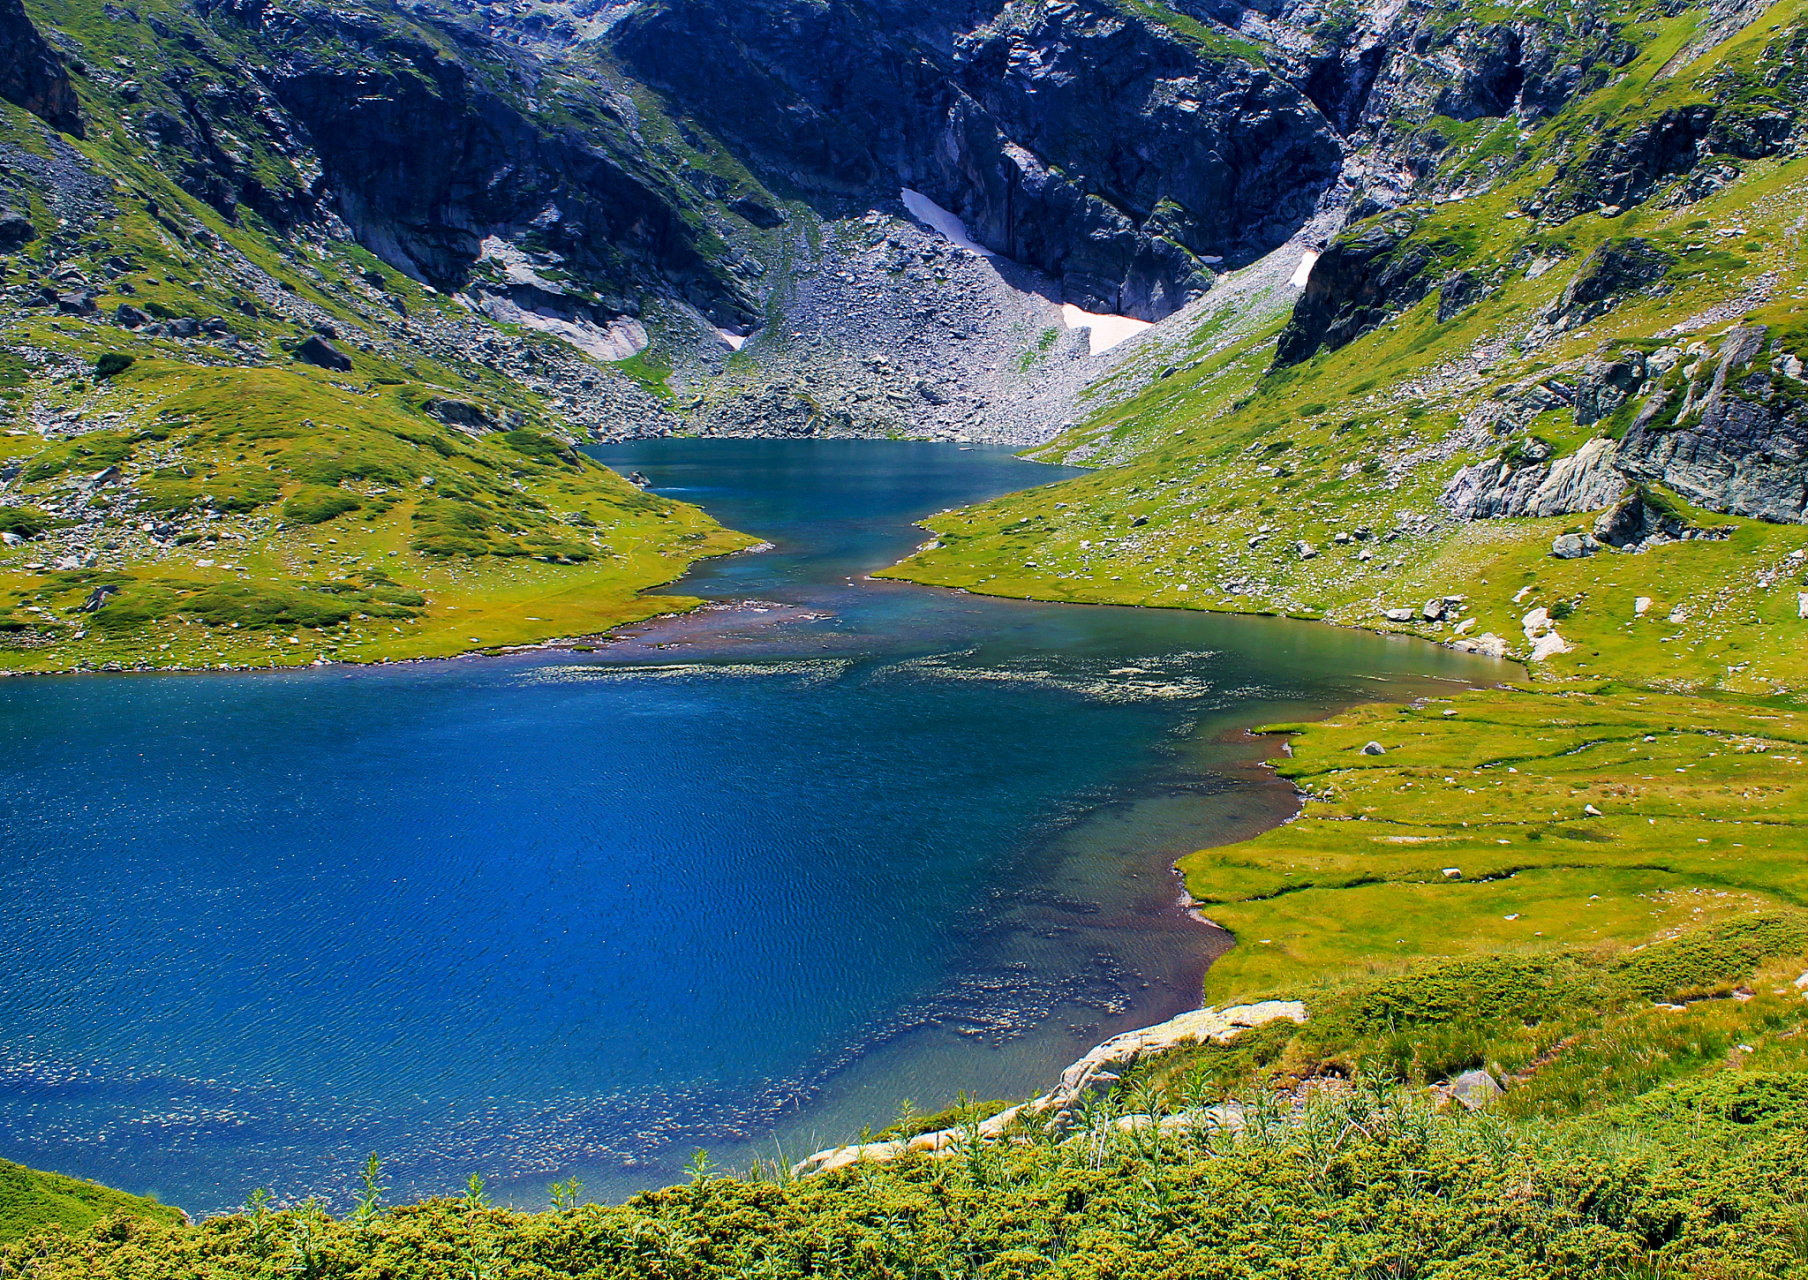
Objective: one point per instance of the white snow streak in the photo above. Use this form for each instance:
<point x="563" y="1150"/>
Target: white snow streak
<point x="1104" y="332"/>
<point x="923" y="209"/>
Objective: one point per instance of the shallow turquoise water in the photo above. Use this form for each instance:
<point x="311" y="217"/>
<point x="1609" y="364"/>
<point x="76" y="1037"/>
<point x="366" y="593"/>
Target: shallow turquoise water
<point x="744" y="877"/>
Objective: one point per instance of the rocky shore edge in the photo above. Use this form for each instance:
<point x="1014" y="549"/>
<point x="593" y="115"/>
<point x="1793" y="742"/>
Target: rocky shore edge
<point x="1095" y="1073"/>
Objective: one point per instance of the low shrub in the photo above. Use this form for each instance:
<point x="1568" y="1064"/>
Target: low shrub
<point x="314" y="504"/>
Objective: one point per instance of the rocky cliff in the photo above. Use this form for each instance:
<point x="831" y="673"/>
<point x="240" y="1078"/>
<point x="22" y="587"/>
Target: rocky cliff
<point x="31" y="74"/>
<point x="1084" y="139"/>
<point x="1725" y="426"/>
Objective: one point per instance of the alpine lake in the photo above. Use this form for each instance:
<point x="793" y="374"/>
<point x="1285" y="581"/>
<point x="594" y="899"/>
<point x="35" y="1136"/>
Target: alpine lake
<point x="744" y="879"/>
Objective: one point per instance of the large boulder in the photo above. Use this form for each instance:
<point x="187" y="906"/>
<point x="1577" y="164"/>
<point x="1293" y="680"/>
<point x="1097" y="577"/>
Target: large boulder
<point x="1475" y="1089"/>
<point x="16" y="230"/>
<point x="1614" y="270"/>
<point x="318" y="351"/>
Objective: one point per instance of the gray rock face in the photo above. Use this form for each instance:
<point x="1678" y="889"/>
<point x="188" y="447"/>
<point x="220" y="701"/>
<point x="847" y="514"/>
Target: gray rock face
<point x="1586" y="480"/>
<point x="1606" y="385"/>
<point x="1727" y="430"/>
<point x="1614" y="269"/>
<point x="1018" y="120"/>
<point x="423" y="155"/>
<point x="1626" y="166"/>
<point x="1457" y="293"/>
<point x="1735" y="441"/>
<point x="31" y="74"/>
<point x="1363" y="277"/>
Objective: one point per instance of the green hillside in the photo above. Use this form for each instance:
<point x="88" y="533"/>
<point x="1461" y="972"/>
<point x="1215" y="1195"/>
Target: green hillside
<point x="31" y="1202"/>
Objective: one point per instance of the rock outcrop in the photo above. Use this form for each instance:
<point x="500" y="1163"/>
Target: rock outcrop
<point x="1093" y="1074"/>
<point x="31" y="74"/>
<point x="1365" y="276"/>
<point x="1583" y="481"/>
<point x="1730" y="435"/>
<point x="1607" y="276"/>
<point x="1728" y="430"/>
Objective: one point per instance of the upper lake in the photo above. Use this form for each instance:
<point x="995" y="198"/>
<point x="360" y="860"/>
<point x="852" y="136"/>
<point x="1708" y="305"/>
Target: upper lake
<point x="744" y="878"/>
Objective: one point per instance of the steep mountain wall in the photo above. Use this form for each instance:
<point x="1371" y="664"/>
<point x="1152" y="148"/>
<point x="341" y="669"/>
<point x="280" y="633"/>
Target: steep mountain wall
<point x="1111" y="151"/>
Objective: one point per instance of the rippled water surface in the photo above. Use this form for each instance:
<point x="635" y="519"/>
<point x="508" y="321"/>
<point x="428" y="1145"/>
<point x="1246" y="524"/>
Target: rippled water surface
<point x="741" y="880"/>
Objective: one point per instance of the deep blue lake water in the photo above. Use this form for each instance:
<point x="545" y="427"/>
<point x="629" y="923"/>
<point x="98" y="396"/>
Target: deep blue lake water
<point x="742" y="880"/>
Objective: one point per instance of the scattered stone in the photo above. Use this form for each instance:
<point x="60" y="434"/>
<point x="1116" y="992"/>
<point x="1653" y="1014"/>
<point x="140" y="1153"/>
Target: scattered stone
<point x="1475" y="1089"/>
<point x="318" y="351"/>
<point x="1487" y="645"/>
<point x="1591" y="811"/>
<point x="1573" y="546"/>
<point x="1399" y="615"/>
<point x="1642" y="603"/>
<point x="1373" y="749"/>
<point x="1546" y="646"/>
<point x="1453" y="873"/>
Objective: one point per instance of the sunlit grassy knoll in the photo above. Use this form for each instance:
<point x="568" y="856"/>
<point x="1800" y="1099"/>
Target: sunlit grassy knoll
<point x="269" y="516"/>
<point x="30" y="1201"/>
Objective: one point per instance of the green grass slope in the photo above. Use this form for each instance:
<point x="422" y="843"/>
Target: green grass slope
<point x="278" y="516"/>
<point x="217" y="498"/>
<point x="31" y="1202"/>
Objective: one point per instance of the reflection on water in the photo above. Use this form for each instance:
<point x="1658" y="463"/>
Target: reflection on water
<point x="749" y="875"/>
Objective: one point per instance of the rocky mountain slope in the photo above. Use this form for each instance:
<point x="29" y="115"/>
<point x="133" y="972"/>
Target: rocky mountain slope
<point x="584" y="220"/>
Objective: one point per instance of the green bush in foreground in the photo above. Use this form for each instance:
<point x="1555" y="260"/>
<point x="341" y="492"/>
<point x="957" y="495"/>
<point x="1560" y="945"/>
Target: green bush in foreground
<point x="1360" y="1183"/>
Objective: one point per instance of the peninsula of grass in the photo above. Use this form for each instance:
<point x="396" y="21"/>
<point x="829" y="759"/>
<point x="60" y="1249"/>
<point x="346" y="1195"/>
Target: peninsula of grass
<point x="276" y="517"/>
